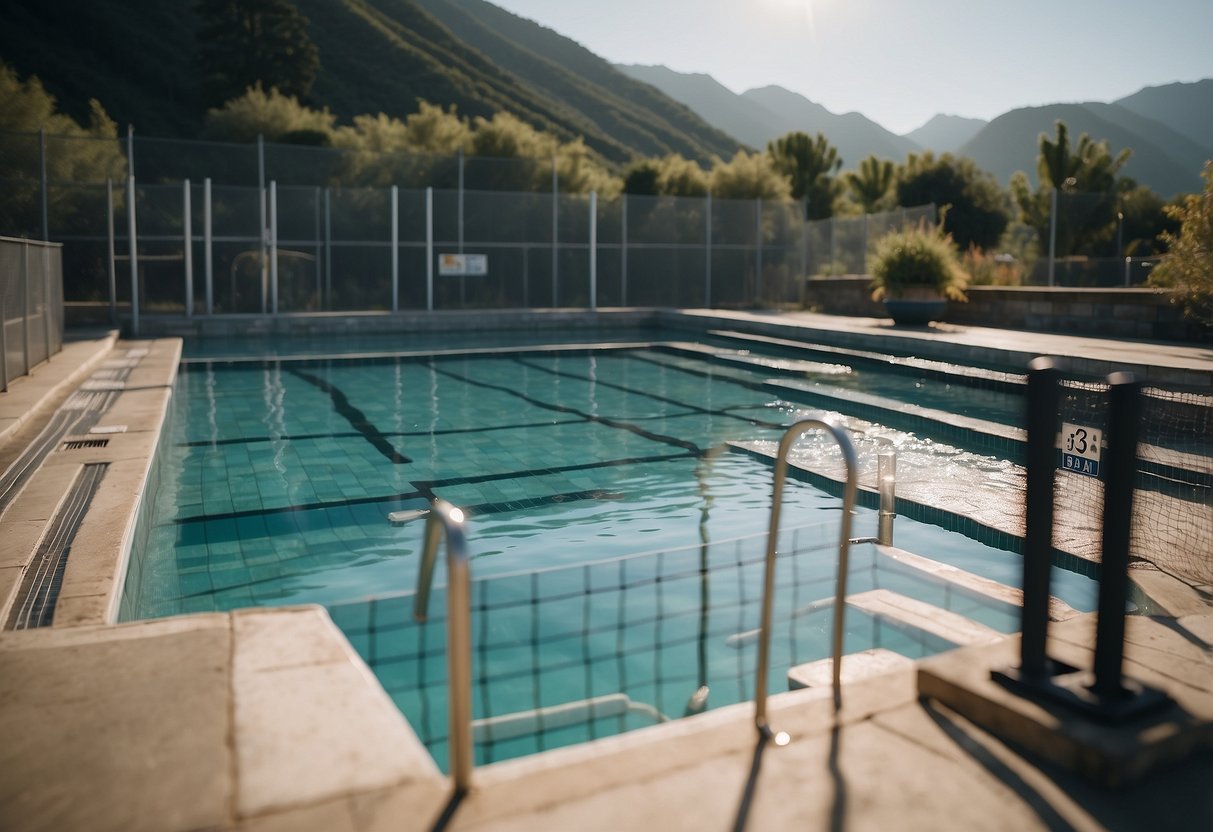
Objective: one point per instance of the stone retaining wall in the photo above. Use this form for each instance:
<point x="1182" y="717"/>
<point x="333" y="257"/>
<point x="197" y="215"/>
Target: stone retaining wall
<point x="1124" y="313"/>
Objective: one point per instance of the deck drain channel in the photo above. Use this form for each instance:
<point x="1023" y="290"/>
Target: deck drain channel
<point x="80" y="444"/>
<point x="39" y="592"/>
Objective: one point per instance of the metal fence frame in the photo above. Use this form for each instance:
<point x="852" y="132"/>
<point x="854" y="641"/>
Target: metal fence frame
<point x="31" y="300"/>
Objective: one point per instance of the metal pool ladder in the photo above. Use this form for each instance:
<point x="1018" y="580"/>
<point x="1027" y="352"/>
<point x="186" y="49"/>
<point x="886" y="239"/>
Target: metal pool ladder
<point x="444" y="518"/>
<point x="768" y="585"/>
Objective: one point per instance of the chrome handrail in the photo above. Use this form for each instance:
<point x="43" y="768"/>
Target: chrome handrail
<point x="444" y="517"/>
<point x="768" y="586"/>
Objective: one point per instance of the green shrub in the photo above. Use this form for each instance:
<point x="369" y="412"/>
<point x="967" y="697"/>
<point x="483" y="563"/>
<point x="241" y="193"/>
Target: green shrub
<point x="1188" y="265"/>
<point x="916" y="261"/>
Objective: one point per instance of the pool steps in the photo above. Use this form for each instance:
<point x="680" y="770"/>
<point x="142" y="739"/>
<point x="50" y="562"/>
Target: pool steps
<point x="855" y="666"/>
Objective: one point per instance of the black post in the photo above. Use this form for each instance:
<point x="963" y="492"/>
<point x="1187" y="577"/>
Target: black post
<point x="1043" y="400"/>
<point x="1124" y="420"/>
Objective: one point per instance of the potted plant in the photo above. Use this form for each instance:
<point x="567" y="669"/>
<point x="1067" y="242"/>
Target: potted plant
<point x="916" y="271"/>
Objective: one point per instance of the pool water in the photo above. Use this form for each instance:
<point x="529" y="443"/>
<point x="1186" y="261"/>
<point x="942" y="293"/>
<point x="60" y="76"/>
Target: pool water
<point x="277" y="478"/>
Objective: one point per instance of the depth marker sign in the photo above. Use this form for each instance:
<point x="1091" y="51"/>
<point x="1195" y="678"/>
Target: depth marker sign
<point x="1080" y="449"/>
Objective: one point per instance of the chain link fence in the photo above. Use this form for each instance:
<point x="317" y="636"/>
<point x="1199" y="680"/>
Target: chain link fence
<point x="266" y="228"/>
<point x="31" y="305"/>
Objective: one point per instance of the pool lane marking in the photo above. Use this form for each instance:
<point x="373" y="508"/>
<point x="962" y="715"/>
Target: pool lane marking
<point x="609" y="422"/>
<point x="425" y="488"/>
<point x="302" y="437"/>
<point x="477" y="510"/>
<point x="664" y="399"/>
<point x="354" y="416"/>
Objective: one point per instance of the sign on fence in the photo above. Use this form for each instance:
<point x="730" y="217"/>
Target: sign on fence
<point x="1080" y="449"/>
<point x="463" y="265"/>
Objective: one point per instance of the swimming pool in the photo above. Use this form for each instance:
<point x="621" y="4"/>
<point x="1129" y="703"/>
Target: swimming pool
<point x="277" y="476"/>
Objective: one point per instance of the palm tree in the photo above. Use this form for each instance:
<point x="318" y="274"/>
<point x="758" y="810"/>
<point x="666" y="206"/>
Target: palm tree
<point x="870" y="183"/>
<point x="809" y="164"/>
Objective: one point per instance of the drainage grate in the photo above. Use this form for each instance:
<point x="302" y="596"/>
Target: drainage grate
<point x="39" y="592"/>
<point x="78" y="444"/>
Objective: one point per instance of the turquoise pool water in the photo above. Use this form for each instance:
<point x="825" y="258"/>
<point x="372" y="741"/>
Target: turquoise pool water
<point x="277" y="477"/>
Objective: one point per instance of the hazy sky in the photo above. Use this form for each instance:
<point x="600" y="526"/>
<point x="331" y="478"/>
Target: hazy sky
<point x="901" y="61"/>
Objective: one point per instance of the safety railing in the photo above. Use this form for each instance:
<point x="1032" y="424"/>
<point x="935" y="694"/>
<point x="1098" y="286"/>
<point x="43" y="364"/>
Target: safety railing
<point x="445" y="520"/>
<point x="768" y="588"/>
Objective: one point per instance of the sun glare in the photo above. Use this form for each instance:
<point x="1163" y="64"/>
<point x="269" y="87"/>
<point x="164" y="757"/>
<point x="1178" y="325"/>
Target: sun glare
<point x="791" y="11"/>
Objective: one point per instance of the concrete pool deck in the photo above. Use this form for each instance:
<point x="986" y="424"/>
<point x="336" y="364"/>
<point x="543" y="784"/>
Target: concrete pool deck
<point x="268" y="720"/>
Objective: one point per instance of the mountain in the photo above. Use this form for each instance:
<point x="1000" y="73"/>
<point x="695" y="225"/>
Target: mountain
<point x="759" y="115"/>
<point x="944" y="134"/>
<point x="746" y="120"/>
<point x="1162" y="159"/>
<point x="376" y="56"/>
<point x="1185" y="108"/>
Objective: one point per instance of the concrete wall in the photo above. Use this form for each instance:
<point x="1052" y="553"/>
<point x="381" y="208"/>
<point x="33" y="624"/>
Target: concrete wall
<point x="1126" y="313"/>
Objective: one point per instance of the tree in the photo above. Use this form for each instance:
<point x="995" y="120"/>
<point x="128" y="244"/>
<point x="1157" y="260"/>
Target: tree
<point x="749" y="176"/>
<point x="977" y="212"/>
<point x="246" y="42"/>
<point x="810" y="165"/>
<point x="1084" y="179"/>
<point x="272" y="115"/>
<point x="670" y="175"/>
<point x="1188" y="265"/>
<point x="871" y="183"/>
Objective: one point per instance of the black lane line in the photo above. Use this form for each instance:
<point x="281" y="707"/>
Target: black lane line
<point x="757" y="386"/>
<point x="559" y="408"/>
<point x="425" y="488"/>
<point x="479" y="510"/>
<point x="248" y="440"/>
<point x="354" y="416"/>
<point x="664" y="399"/>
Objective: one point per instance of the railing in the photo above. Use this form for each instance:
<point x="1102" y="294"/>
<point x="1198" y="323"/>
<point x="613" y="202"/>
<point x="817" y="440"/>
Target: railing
<point x="840" y="591"/>
<point x="31" y="305"/>
<point x="446" y="520"/>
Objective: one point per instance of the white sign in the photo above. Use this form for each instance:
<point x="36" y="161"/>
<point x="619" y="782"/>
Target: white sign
<point x="1080" y="449"/>
<point x="463" y="265"/>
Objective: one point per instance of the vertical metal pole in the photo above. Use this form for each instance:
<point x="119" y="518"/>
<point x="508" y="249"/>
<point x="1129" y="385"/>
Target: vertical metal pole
<point x="112" y="270"/>
<point x="328" y="249"/>
<point x="46" y="227"/>
<point x="46" y="298"/>
<point x="264" y="230"/>
<point x="273" y="229"/>
<point x="1042" y="404"/>
<point x="187" y="221"/>
<point x="1052" y="234"/>
<point x="1124" y="420"/>
<point x="429" y="249"/>
<point x="1128" y="262"/>
<point x="593" y="250"/>
<point x="460" y="218"/>
<point x="395" y="249"/>
<point x="133" y="237"/>
<point x="758" y="249"/>
<point x="623" y="254"/>
<point x="208" y="242"/>
<point x="319" y="301"/>
<point x="707" y="253"/>
<point x="25" y="304"/>
<point x="3" y="344"/>
<point x="886" y="475"/>
<point x="555" y="232"/>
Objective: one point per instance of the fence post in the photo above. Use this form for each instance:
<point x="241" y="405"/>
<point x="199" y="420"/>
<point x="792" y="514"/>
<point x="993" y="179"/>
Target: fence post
<point x="1052" y="234"/>
<point x="273" y="247"/>
<point x="319" y="302"/>
<point x="429" y="249"/>
<point x="46" y="298"/>
<point x="555" y="232"/>
<point x="208" y="245"/>
<point x="395" y="249"/>
<point x="460" y="217"/>
<point x="25" y="303"/>
<point x="593" y="250"/>
<point x="113" y="271"/>
<point x="328" y="249"/>
<point x="3" y="344"/>
<point x="264" y="224"/>
<point x="758" y="249"/>
<point x="46" y="228"/>
<point x="623" y="253"/>
<point x="1128" y="269"/>
<point x="707" y="253"/>
<point x="188" y="222"/>
<point x="133" y="237"/>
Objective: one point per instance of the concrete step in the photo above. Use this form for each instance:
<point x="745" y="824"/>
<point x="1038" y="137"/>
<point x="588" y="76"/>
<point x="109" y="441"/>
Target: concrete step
<point x="855" y="666"/>
<point x="903" y="612"/>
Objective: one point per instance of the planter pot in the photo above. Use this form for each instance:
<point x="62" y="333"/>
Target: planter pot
<point x="915" y="311"/>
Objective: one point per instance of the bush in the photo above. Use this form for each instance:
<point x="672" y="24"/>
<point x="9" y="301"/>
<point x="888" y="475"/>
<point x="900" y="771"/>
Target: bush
<point x="985" y="269"/>
<point x="916" y="261"/>
<point x="1188" y="265"/>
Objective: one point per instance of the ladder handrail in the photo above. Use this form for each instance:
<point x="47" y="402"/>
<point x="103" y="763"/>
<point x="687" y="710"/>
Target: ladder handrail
<point x="768" y="587"/>
<point x="446" y="518"/>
